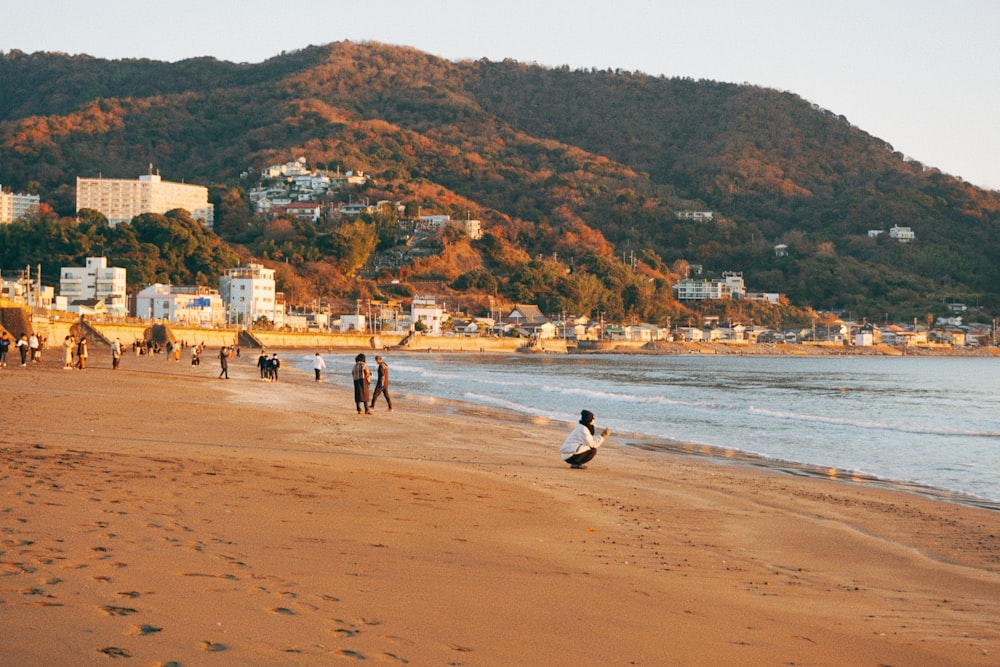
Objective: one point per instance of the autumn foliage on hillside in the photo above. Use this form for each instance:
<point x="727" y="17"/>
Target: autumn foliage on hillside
<point x="577" y="177"/>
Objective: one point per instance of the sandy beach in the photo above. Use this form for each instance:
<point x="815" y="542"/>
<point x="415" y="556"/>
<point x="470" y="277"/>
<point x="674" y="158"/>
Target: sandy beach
<point x="160" y="514"/>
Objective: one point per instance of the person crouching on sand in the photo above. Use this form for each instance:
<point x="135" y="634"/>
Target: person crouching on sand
<point x="581" y="444"/>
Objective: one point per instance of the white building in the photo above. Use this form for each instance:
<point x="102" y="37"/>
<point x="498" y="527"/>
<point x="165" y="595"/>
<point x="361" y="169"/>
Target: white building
<point x="433" y="221"/>
<point x="96" y="280"/>
<point x="185" y="305"/>
<point x="425" y="310"/>
<point x="697" y="216"/>
<point x="28" y="293"/>
<point x="16" y="206"/>
<point x="306" y="211"/>
<point x="248" y="294"/>
<point x="353" y="323"/>
<point x="901" y="234"/>
<point x="730" y="287"/>
<point x="473" y="229"/>
<point x="121" y="199"/>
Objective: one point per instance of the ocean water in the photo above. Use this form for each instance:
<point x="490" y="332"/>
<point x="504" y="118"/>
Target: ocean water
<point x="913" y="421"/>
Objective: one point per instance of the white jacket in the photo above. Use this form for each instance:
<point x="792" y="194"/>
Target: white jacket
<point x="580" y="439"/>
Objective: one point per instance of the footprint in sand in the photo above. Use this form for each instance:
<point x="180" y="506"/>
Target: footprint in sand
<point x="212" y="646"/>
<point x="145" y="629"/>
<point x="112" y="610"/>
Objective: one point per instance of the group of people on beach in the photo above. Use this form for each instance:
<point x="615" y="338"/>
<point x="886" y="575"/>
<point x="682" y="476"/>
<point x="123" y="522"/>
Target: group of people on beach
<point x="577" y="450"/>
<point x="580" y="446"/>
<point x="29" y="347"/>
<point x="362" y="377"/>
<point x="268" y="366"/>
<point x="75" y="352"/>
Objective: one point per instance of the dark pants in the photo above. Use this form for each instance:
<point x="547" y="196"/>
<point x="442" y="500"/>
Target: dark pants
<point x="580" y="458"/>
<point x="383" y="391"/>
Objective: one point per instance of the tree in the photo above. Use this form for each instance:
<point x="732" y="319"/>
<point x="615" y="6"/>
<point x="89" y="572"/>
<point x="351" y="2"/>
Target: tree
<point x="352" y="243"/>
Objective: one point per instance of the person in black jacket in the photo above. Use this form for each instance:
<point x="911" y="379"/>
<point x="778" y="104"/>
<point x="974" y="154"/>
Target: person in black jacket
<point x="382" y="383"/>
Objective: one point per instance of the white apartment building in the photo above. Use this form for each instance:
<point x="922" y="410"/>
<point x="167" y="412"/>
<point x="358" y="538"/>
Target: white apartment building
<point x="183" y="305"/>
<point x="96" y="280"/>
<point x="248" y="294"/>
<point x="424" y="309"/>
<point x="730" y="287"/>
<point x="121" y="199"/>
<point x="16" y="206"/>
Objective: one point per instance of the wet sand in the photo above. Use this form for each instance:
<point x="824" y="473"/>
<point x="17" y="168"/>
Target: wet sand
<point x="161" y="514"/>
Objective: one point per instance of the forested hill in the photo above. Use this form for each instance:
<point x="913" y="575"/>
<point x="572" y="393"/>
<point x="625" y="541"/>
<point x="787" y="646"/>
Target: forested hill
<point x="553" y="161"/>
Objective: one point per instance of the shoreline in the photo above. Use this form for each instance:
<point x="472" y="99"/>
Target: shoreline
<point x="160" y="513"/>
<point x="727" y="455"/>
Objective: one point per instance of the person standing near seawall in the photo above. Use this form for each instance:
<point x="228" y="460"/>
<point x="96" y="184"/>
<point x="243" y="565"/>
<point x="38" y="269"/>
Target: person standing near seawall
<point x="81" y="353"/>
<point x="116" y="354"/>
<point x="382" y="383"/>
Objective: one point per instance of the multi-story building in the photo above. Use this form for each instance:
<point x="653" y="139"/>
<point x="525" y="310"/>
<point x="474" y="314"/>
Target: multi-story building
<point x="730" y="287"/>
<point x="96" y="280"/>
<point x="248" y="294"/>
<point x="121" y="199"/>
<point x="424" y="309"/>
<point x="183" y="305"/>
<point x="16" y="206"/>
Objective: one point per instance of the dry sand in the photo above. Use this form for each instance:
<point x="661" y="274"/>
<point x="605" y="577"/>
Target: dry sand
<point x="160" y="514"/>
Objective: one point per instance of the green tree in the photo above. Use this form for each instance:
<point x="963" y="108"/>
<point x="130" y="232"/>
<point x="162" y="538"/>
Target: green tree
<point x="352" y="243"/>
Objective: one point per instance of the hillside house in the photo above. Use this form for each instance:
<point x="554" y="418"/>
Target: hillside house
<point x="525" y="315"/>
<point x="305" y="211"/>
<point x="696" y="216"/>
<point x="901" y="234"/>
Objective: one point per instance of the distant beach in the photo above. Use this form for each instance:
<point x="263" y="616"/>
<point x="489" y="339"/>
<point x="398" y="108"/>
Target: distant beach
<point x="160" y="513"/>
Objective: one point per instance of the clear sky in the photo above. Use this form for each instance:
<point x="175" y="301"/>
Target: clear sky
<point x="923" y="75"/>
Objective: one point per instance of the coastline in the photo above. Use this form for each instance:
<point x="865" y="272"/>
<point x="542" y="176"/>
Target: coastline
<point x="55" y="330"/>
<point x="161" y="513"/>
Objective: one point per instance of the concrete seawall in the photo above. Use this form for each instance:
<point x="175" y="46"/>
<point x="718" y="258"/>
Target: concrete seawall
<point x="55" y="330"/>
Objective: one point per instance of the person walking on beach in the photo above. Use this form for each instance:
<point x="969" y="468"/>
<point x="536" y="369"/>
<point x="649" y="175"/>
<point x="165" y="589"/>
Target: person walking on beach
<point x="116" y="353"/>
<point x="4" y="348"/>
<point x="362" y="379"/>
<point x="581" y="444"/>
<point x="318" y="365"/>
<point x="224" y="362"/>
<point x="81" y="353"/>
<point x="34" y="348"/>
<point x="382" y="383"/>
<point x="272" y="367"/>
<point x="262" y="364"/>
